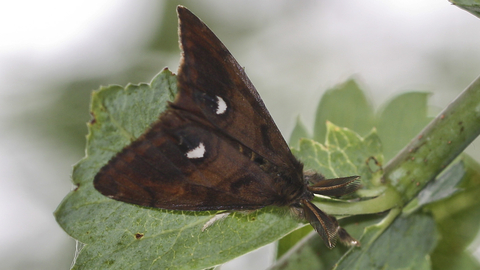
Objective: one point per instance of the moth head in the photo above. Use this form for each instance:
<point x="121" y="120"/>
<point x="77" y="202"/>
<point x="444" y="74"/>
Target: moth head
<point x="311" y="177"/>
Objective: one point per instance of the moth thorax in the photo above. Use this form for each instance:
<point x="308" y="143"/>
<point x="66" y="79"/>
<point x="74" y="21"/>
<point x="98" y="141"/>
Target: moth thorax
<point x="291" y="189"/>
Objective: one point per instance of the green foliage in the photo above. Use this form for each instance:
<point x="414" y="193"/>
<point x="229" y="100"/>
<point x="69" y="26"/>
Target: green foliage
<point x="311" y="252"/>
<point x="346" y="105"/>
<point x="405" y="244"/>
<point x="289" y="240"/>
<point x="123" y="236"/>
<point x="300" y="131"/>
<point x="472" y="6"/>
<point x="118" y="235"/>
<point x="345" y="145"/>
<point x="401" y="222"/>
<point x="458" y="219"/>
<point x="444" y="206"/>
<point x="400" y="120"/>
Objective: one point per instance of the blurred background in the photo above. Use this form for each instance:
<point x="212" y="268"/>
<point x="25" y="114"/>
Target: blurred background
<point x="54" y="53"/>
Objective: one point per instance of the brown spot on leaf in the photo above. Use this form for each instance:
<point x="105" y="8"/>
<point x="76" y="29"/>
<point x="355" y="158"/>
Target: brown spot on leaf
<point x="93" y="120"/>
<point x="376" y="166"/>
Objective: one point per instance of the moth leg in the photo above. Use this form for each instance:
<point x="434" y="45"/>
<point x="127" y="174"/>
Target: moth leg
<point x="214" y="219"/>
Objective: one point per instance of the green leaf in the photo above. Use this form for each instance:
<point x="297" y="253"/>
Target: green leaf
<point x="472" y="6"/>
<point x="118" y="235"/>
<point x="405" y="244"/>
<point x="311" y="253"/>
<point x="346" y="106"/>
<point x="458" y="221"/>
<point x="344" y="153"/>
<point x="397" y="122"/>
<point x="289" y="240"/>
<point x="445" y="185"/>
<point x="351" y="151"/>
<point x="341" y="144"/>
<point x="400" y="120"/>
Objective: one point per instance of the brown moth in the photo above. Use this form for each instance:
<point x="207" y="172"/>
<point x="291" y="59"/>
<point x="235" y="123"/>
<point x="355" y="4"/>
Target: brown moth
<point x="216" y="147"/>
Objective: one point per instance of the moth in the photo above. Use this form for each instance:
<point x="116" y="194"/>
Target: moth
<point x="216" y="147"/>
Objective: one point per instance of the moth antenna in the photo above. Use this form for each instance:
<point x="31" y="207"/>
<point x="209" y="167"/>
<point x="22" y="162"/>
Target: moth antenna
<point x="327" y="226"/>
<point x="322" y="223"/>
<point x="346" y="238"/>
<point x="214" y="219"/>
<point x="336" y="187"/>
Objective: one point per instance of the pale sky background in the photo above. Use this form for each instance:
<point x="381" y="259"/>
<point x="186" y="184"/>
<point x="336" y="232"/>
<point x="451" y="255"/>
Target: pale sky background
<point x="292" y="50"/>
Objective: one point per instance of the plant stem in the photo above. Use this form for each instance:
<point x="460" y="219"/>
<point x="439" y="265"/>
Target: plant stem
<point x="385" y="201"/>
<point x="437" y="145"/>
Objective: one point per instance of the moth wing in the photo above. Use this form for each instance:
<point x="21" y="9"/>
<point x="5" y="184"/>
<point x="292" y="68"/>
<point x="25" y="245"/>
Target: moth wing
<point x="183" y="165"/>
<point x="212" y="85"/>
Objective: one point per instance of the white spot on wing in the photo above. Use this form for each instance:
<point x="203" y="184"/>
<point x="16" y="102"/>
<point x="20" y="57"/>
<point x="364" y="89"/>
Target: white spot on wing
<point x="197" y="152"/>
<point x="221" y="105"/>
